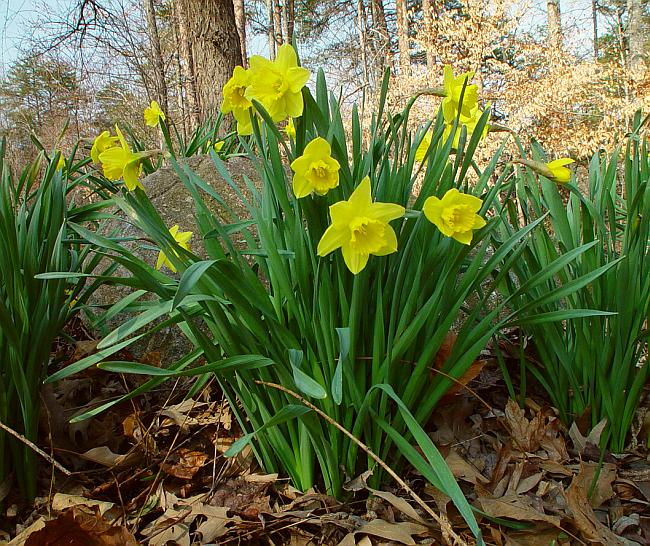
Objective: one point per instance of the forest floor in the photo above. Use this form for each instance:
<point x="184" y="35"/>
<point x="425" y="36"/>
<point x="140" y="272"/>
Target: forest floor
<point x="151" y="471"/>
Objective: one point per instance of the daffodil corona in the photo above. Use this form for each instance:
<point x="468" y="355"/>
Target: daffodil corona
<point x="102" y="143"/>
<point x="455" y="215"/>
<point x="235" y="100"/>
<point x="360" y="228"/>
<point x="315" y="170"/>
<point x="182" y="238"/>
<point x="153" y="114"/>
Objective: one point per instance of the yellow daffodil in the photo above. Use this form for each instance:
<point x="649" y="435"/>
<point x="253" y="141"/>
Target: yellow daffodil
<point x="218" y="145"/>
<point x="455" y="215"/>
<point x="120" y="162"/>
<point x="235" y="101"/>
<point x="315" y="170"/>
<point x="422" y="149"/>
<point x="102" y="143"/>
<point x="182" y="238"/>
<point x="153" y="114"/>
<point x="360" y="228"/>
<point x="554" y="170"/>
<point x="469" y="122"/>
<point x="453" y="91"/>
<point x="278" y="84"/>
<point x="61" y="163"/>
<point x="290" y="129"/>
<point x="559" y="172"/>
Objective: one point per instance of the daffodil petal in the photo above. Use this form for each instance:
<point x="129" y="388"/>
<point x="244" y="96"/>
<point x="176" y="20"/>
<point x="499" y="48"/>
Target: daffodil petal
<point x="332" y="239"/>
<point x="385" y="212"/>
<point x="355" y="261"/>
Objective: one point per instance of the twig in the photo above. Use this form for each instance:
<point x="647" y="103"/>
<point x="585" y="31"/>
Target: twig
<point x="35" y="448"/>
<point x="445" y="526"/>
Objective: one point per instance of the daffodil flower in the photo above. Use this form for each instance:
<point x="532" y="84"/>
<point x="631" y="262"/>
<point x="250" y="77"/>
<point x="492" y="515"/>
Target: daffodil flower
<point x="153" y="114"/>
<point x="290" y="129"/>
<point x="455" y="215"/>
<point x="120" y="162"/>
<point x="453" y="91"/>
<point x="559" y="172"/>
<point x="235" y="101"/>
<point x="315" y="170"/>
<point x="182" y="238"/>
<point x="61" y="163"/>
<point x="360" y="228"/>
<point x="102" y="143"/>
<point x="423" y="147"/>
<point x="554" y="170"/>
<point x="217" y="146"/>
<point x="278" y="84"/>
<point x="469" y="122"/>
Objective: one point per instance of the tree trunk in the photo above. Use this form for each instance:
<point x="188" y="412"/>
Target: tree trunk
<point x="189" y="81"/>
<point x="428" y="34"/>
<point x="279" y="39"/>
<point x="361" y="28"/>
<point x="635" y="35"/>
<point x="240" y="20"/>
<point x="554" y="23"/>
<point x="403" y="38"/>
<point x="271" y="30"/>
<point x="215" y="48"/>
<point x="156" y="53"/>
<point x="180" y="99"/>
<point x="594" y="22"/>
<point x="289" y="19"/>
<point x="380" y="37"/>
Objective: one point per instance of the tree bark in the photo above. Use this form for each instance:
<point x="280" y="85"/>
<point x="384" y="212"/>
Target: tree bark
<point x="240" y="21"/>
<point x="403" y="38"/>
<point x="215" y="48"/>
<point x="361" y="28"/>
<point x="289" y="19"/>
<point x="279" y="39"/>
<point x="187" y="75"/>
<point x="156" y="53"/>
<point x="554" y="23"/>
<point x="635" y="35"/>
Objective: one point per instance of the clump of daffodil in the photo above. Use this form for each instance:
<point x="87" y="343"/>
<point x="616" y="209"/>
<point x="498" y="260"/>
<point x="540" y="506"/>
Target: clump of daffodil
<point x="455" y="215"/>
<point x="278" y="84"/>
<point x="554" y="170"/>
<point x="120" y="162"/>
<point x="290" y="129"/>
<point x="453" y="90"/>
<point x="236" y="101"/>
<point x="102" y="143"/>
<point x="315" y="170"/>
<point x="153" y="114"/>
<point x="182" y="238"/>
<point x="360" y="228"/>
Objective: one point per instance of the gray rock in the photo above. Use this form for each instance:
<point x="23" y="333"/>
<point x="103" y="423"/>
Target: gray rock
<point x="175" y="205"/>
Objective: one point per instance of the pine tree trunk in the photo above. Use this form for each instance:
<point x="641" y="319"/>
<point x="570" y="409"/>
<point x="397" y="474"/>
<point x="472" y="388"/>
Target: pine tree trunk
<point x="635" y="35"/>
<point x="240" y="21"/>
<point x="290" y="18"/>
<point x="279" y="40"/>
<point x="215" y="48"/>
<point x="554" y="22"/>
<point x="403" y="38"/>
<point x="363" y="39"/>
<point x="156" y="51"/>
<point x="594" y="22"/>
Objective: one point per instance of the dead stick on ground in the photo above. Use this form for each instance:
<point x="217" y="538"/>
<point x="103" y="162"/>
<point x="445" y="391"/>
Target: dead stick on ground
<point x="34" y="447"/>
<point x="445" y="525"/>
